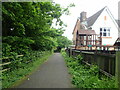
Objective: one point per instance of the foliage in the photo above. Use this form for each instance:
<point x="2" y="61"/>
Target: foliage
<point x="33" y="21"/>
<point x="86" y="77"/>
<point x="14" y="44"/>
<point x="30" y="24"/>
<point x="23" y="66"/>
<point x="27" y="29"/>
<point x="63" y="42"/>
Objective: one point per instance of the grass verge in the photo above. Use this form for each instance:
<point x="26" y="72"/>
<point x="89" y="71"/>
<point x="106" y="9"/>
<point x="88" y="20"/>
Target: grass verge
<point x="84" y="76"/>
<point x="13" y="78"/>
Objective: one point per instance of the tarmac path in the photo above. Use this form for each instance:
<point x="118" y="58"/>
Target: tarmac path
<point x="51" y="74"/>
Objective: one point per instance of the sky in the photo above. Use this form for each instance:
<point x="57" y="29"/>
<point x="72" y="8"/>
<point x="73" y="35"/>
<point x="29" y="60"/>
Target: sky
<point x="89" y="6"/>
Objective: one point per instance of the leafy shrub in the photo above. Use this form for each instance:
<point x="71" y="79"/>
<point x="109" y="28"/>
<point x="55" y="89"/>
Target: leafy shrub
<point x="22" y="66"/>
<point x="79" y="58"/>
<point x="16" y="44"/>
<point x="84" y="76"/>
<point x="6" y="49"/>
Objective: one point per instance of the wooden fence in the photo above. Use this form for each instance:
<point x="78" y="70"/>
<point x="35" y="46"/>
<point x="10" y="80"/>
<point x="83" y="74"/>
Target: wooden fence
<point x="7" y="62"/>
<point x="118" y="68"/>
<point x="108" y="62"/>
<point x="12" y="62"/>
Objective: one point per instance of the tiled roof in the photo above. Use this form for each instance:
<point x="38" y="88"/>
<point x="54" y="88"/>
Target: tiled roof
<point x="91" y="20"/>
<point x="86" y="32"/>
<point x="118" y="22"/>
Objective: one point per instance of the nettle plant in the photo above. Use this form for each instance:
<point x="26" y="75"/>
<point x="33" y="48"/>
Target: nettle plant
<point x="84" y="76"/>
<point x="79" y="58"/>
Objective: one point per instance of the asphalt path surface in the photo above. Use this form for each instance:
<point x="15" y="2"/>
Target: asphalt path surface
<point x="51" y="74"/>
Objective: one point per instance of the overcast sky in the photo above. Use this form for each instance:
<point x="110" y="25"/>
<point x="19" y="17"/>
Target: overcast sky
<point x="89" y="6"/>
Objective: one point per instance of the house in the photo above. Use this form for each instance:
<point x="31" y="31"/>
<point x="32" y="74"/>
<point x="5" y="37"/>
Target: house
<point x="99" y="29"/>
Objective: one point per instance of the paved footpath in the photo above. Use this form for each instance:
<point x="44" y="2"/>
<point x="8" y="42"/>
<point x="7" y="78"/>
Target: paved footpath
<point x="51" y="74"/>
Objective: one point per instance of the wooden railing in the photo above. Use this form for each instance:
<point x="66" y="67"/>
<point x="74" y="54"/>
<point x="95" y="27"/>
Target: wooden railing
<point x="98" y="47"/>
<point x="7" y="63"/>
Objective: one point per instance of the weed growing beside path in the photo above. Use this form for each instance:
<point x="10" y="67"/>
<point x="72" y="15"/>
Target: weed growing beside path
<point x="12" y="78"/>
<point x="84" y="76"/>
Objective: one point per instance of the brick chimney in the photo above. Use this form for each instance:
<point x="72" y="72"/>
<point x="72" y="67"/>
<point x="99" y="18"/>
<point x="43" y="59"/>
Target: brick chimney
<point x="83" y="16"/>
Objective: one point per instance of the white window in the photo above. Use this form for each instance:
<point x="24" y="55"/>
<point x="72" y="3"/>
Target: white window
<point x="101" y="31"/>
<point x="105" y="31"/>
<point x="108" y="32"/>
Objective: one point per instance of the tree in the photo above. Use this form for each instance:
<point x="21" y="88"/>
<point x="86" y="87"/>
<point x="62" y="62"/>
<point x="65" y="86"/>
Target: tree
<point x="28" y="25"/>
<point x="63" y="42"/>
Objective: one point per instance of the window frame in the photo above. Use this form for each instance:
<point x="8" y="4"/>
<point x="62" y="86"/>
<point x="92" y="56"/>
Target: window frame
<point x="105" y="31"/>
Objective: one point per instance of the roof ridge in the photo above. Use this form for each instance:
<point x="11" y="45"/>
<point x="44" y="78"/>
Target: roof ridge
<point x="93" y="18"/>
<point x="100" y="10"/>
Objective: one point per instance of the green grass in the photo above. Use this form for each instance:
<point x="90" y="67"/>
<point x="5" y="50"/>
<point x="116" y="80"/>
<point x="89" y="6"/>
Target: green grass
<point x="84" y="76"/>
<point x="13" y="78"/>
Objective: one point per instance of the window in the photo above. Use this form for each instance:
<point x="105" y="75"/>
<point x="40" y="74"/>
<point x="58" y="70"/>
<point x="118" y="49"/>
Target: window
<point x="104" y="29"/>
<point x="108" y="32"/>
<point x="105" y="32"/>
<point x="108" y="29"/>
<point x="101" y="31"/>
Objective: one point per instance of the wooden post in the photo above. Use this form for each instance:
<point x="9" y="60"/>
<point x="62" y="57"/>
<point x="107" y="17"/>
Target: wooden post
<point x="93" y="39"/>
<point x="100" y="39"/>
<point x="86" y="40"/>
<point x="70" y="51"/>
<point x="118" y="69"/>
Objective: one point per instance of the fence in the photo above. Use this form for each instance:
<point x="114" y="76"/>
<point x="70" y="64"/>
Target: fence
<point x="7" y="61"/>
<point x="12" y="62"/>
<point x="98" y="47"/>
<point x="108" y="62"/>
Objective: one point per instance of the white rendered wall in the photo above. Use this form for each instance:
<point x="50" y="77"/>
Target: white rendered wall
<point x="109" y="22"/>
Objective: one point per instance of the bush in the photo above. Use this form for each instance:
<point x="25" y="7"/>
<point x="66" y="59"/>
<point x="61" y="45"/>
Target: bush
<point x="84" y="76"/>
<point x="22" y="66"/>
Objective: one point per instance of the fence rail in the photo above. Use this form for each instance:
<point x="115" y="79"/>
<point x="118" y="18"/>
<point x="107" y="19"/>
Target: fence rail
<point x="99" y="59"/>
<point x="7" y="63"/>
<point x="98" y="47"/>
<point x="108" y="62"/>
<point x="12" y="62"/>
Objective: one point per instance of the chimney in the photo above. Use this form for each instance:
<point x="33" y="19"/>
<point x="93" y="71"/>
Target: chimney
<point x="83" y="16"/>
